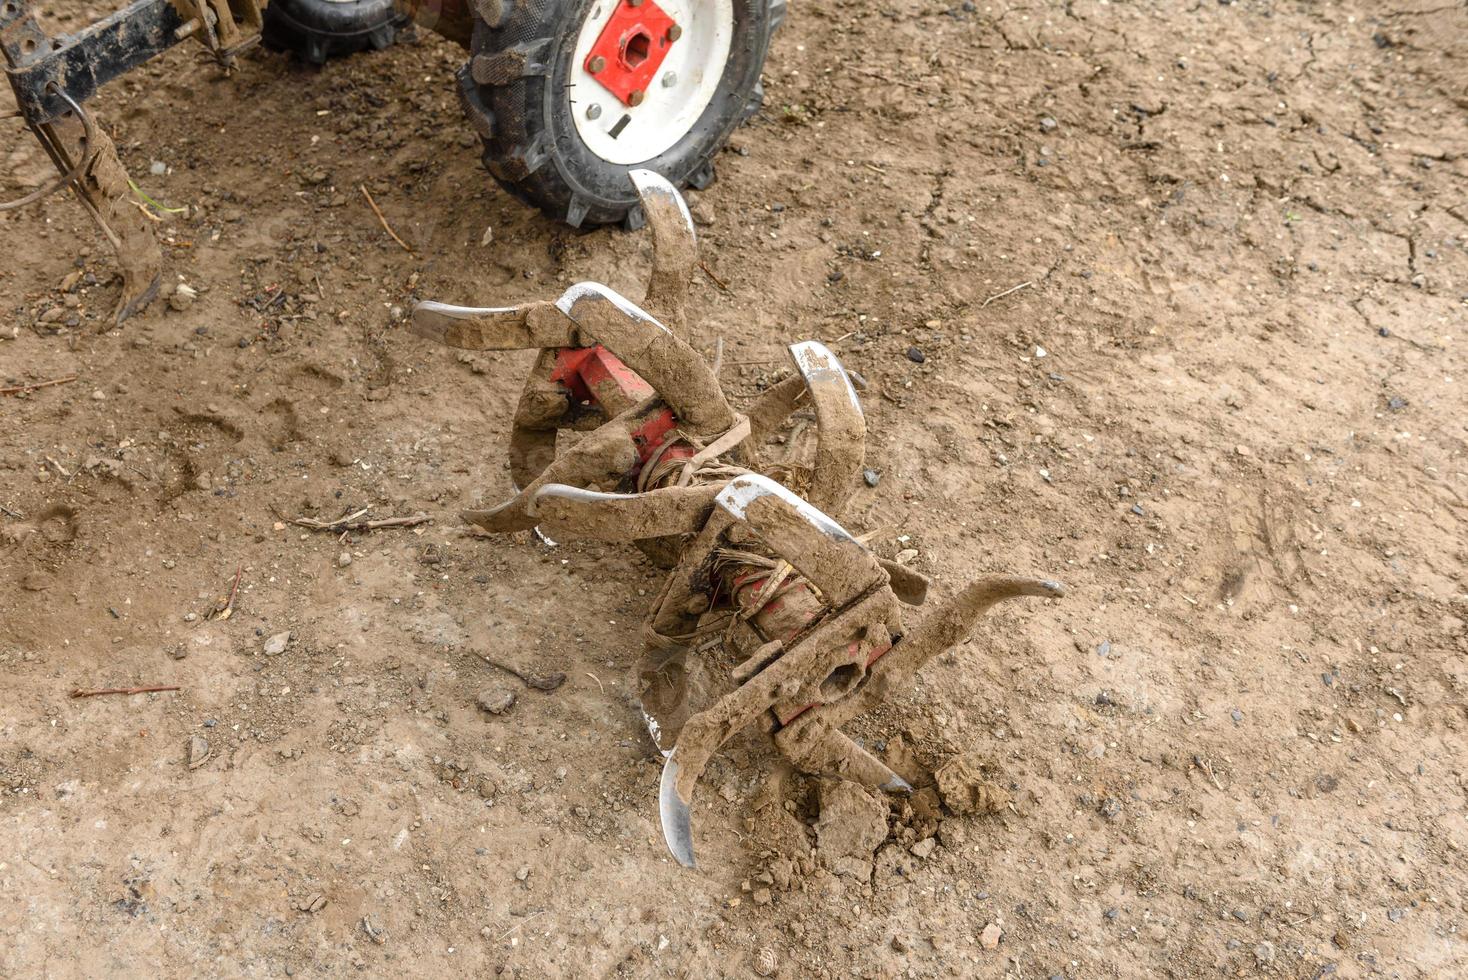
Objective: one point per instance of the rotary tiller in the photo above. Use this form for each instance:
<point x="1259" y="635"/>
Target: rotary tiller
<point x="759" y="559"/>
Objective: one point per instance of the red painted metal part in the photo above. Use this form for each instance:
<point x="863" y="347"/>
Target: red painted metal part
<point x="631" y="48"/>
<point x="591" y="374"/>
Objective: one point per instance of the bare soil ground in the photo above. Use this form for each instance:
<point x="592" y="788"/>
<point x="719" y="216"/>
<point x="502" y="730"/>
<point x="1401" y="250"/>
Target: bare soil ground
<point x="1226" y="408"/>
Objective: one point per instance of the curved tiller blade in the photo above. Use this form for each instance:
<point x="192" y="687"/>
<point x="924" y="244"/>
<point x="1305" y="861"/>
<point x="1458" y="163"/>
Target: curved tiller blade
<point x="676" y="819"/>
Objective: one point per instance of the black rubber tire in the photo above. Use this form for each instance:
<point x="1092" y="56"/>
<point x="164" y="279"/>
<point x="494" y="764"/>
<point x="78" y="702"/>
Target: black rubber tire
<point x="515" y="94"/>
<point x="319" y="29"/>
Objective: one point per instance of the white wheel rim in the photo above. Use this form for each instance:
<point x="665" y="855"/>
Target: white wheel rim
<point x="677" y="95"/>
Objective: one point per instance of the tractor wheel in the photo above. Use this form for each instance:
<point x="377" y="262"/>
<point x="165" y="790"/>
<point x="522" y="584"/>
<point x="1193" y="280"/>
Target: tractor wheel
<point x="570" y="95"/>
<point x="321" y="29"/>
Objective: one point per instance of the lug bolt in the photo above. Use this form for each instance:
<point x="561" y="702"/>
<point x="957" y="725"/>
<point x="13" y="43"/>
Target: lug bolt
<point x="596" y="64"/>
<point x="593" y="111"/>
<point x="670" y="78"/>
<point x="674" y="33"/>
<point x="635" y="98"/>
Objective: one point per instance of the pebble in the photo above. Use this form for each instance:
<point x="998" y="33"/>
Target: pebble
<point x="872" y="477"/>
<point x="276" y="645"/>
<point x="906" y="555"/>
<point x="522" y="873"/>
<point x="1236" y="715"/>
<point x="1395" y="915"/>
<point x="344" y="559"/>
<point x="1264" y="952"/>
<point x="924" y="847"/>
<point x="765" y="962"/>
<point x="496" y="701"/>
<point x="916" y="356"/>
<point x="1048" y="124"/>
<point x="1243" y="450"/>
<point x="989" y="938"/>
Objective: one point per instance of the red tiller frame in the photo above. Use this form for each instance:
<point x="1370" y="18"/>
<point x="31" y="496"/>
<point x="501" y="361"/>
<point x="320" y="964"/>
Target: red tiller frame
<point x="591" y="374"/>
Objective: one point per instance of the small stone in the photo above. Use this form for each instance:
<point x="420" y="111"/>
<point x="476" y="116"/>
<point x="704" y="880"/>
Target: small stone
<point x="916" y="356"/>
<point x="198" y="751"/>
<point x="924" y="848"/>
<point x="487" y="788"/>
<point x="989" y="938"/>
<point x="906" y="555"/>
<point x="344" y="559"/>
<point x="765" y="962"/>
<point x="1395" y="915"/>
<point x="871" y="476"/>
<point x="1047" y="124"/>
<point x="157" y="168"/>
<point x="761" y="896"/>
<point x="276" y="645"/>
<point x="522" y="873"/>
<point x="1264" y="953"/>
<point x="1243" y="450"/>
<point x="99" y="395"/>
<point x="496" y="700"/>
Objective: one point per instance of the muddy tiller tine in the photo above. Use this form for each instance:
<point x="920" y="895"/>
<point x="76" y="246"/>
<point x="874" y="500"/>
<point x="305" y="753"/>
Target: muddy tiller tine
<point x="606" y="455"/>
<point x="525" y="327"/>
<point x="841" y="429"/>
<point x="674" y="249"/>
<point x="815" y="544"/>
<point x="674" y="370"/>
<point x="623" y="516"/>
<point x="943" y="629"/>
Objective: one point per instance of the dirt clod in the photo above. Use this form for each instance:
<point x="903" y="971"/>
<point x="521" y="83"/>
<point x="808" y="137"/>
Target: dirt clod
<point x="852" y="823"/>
<point x="496" y="700"/>
<point x="965" y="789"/>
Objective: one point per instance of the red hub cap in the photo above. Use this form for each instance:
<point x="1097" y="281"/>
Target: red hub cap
<point x="630" y="49"/>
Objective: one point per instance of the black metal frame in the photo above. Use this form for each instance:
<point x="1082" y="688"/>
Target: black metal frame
<point x="42" y="68"/>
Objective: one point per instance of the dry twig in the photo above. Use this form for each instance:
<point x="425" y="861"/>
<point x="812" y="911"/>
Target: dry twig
<point x="19" y="389"/>
<point x="225" y="609"/>
<point x="351" y="522"/>
<point x="385" y="226"/>
<point x="79" y="693"/>
<point x="710" y="273"/>
<point x="1011" y="289"/>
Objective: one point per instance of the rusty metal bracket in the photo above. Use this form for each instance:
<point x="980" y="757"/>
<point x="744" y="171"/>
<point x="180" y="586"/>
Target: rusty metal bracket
<point x="45" y="71"/>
